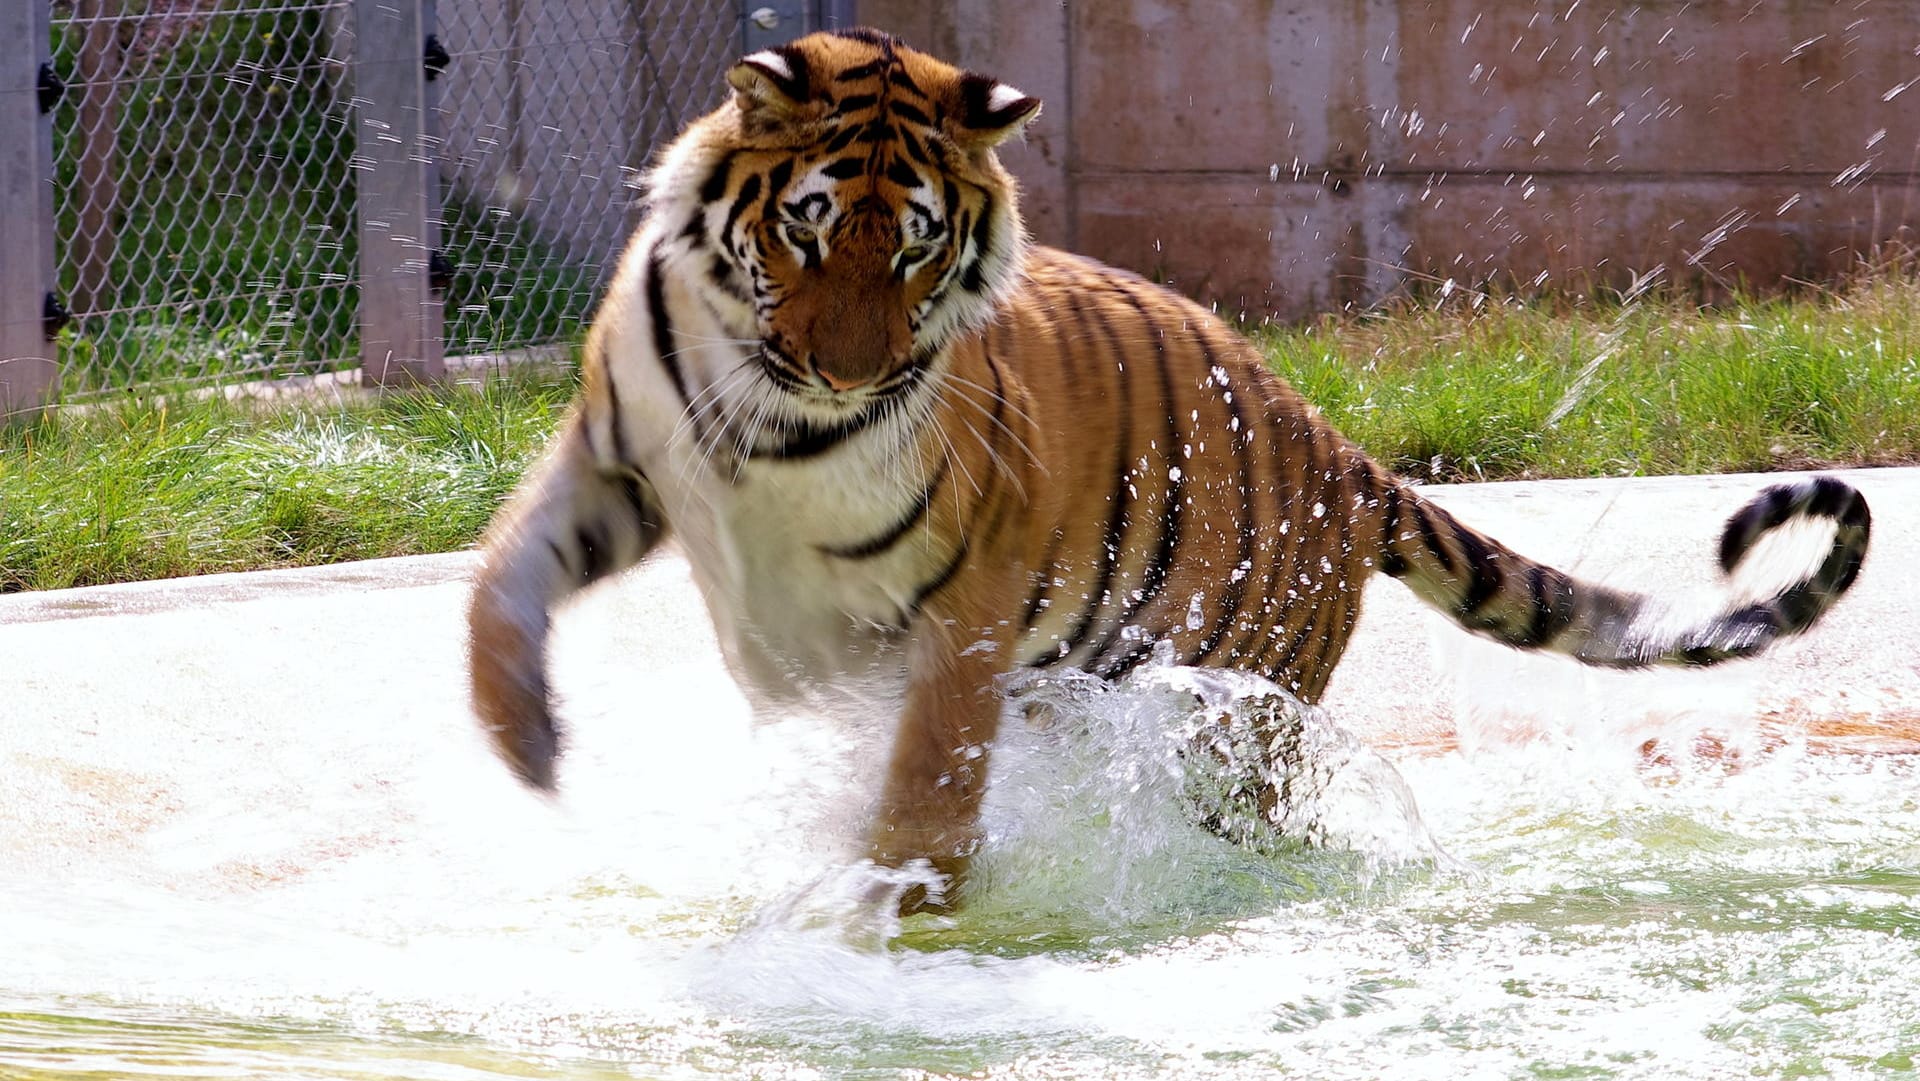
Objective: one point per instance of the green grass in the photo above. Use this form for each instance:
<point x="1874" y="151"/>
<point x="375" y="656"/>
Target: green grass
<point x="133" y="490"/>
<point x="1504" y="390"/>
<point x="145" y="490"/>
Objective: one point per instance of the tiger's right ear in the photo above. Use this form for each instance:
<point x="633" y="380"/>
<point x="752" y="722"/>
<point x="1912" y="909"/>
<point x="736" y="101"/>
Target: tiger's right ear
<point x="986" y="112"/>
<point x="772" y="85"/>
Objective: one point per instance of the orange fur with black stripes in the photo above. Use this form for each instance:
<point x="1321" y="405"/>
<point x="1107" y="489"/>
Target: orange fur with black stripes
<point x="884" y="426"/>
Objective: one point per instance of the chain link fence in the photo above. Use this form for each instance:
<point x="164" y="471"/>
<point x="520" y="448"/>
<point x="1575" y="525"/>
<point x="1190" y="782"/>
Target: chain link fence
<point x="203" y="199"/>
<point x="206" y="166"/>
<point x="548" y="111"/>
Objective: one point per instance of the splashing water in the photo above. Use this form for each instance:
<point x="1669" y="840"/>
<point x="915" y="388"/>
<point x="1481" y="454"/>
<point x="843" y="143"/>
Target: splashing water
<point x="691" y="909"/>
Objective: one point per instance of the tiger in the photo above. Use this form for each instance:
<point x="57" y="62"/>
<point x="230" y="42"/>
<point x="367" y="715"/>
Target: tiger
<point x="893" y="435"/>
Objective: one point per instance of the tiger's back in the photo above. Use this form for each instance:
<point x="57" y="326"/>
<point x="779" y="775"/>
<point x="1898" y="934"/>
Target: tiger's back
<point x="1181" y="492"/>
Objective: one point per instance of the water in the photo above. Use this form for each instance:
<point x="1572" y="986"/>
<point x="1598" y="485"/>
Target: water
<point x="361" y="903"/>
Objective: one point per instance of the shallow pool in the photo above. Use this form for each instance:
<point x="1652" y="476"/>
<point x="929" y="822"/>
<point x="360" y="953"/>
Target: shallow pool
<point x="688" y="910"/>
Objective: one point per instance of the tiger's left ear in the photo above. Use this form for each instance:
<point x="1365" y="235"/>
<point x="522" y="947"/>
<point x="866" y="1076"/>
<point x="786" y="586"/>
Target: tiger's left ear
<point x="772" y="86"/>
<point x="988" y="112"/>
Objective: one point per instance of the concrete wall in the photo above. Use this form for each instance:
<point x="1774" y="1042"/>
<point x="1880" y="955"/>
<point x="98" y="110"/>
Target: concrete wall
<point x="1294" y="157"/>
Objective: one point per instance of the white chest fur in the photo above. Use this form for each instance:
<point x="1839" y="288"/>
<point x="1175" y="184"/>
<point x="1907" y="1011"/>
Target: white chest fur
<point x="790" y="614"/>
<point x="760" y="533"/>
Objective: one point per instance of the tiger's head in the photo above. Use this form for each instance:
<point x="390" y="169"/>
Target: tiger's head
<point x="850" y="208"/>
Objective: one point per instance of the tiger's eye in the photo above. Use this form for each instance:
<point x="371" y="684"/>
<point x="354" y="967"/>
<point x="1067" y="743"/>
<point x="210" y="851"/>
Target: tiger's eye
<point x="913" y="253"/>
<point x="801" y="234"/>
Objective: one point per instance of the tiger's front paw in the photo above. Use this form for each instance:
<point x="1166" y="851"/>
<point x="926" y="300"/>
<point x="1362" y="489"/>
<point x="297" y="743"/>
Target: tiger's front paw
<point x="522" y="730"/>
<point x="951" y="859"/>
<point x="510" y="700"/>
<point x="942" y="898"/>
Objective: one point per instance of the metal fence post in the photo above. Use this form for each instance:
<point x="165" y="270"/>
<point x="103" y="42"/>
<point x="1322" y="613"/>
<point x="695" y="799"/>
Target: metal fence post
<point x="766" y="23"/>
<point x="28" y="91"/>
<point x="397" y="175"/>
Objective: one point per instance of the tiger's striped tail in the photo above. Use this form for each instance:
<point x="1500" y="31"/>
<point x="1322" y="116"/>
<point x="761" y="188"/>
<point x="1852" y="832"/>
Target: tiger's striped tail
<point x="570" y="523"/>
<point x="1498" y="594"/>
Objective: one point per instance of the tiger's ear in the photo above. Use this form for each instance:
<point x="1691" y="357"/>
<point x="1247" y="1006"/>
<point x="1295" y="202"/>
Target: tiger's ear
<point x="988" y="112"/>
<point x="772" y="85"/>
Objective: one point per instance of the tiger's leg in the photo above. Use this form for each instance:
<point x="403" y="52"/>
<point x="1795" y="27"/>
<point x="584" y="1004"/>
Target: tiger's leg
<point x="930" y="806"/>
<point x="571" y="522"/>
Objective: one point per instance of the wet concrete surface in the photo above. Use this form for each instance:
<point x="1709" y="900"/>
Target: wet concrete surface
<point x="97" y="685"/>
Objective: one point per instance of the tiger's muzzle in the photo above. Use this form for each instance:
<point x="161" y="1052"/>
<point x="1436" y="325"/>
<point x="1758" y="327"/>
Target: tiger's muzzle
<point x="849" y="328"/>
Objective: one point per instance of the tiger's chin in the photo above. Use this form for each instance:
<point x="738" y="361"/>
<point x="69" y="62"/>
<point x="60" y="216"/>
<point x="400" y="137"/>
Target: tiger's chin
<point x="819" y="405"/>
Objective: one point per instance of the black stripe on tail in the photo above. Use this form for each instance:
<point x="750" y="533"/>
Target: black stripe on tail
<point x="1797" y="607"/>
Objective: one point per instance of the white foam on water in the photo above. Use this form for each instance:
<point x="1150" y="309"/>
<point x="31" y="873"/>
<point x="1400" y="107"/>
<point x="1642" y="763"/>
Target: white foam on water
<point x="1092" y="838"/>
<point x="381" y="900"/>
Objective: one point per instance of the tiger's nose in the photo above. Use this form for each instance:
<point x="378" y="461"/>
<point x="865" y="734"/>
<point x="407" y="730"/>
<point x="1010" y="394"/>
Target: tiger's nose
<point x="840" y="384"/>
